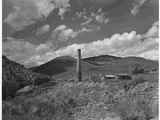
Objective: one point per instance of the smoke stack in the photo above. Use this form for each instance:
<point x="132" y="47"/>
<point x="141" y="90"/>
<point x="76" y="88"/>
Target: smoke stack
<point x="79" y="72"/>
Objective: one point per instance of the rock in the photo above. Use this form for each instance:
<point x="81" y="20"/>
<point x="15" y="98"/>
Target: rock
<point x="26" y="89"/>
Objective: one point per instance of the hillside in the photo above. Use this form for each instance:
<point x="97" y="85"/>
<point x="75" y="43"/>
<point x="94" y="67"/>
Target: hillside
<point x="111" y="65"/>
<point x="104" y="64"/>
<point x="16" y="76"/>
<point x="61" y="65"/>
<point x="135" y="99"/>
<point x="87" y="100"/>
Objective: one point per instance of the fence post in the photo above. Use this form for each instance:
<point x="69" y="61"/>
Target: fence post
<point x="79" y="72"/>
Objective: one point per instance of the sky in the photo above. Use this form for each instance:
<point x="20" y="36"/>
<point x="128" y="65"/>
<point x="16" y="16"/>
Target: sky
<point x="37" y="31"/>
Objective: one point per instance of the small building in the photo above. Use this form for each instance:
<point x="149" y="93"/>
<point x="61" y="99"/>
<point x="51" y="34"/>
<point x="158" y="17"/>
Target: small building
<point x="117" y="77"/>
<point x="124" y="77"/>
<point x="108" y="77"/>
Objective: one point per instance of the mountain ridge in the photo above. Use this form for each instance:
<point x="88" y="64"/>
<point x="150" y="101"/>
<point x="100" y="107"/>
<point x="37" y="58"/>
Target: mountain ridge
<point x="102" y="63"/>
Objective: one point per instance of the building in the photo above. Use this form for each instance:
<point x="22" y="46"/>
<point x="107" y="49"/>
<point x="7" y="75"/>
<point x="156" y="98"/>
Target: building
<point x="124" y="77"/>
<point x="117" y="77"/>
<point x="108" y="77"/>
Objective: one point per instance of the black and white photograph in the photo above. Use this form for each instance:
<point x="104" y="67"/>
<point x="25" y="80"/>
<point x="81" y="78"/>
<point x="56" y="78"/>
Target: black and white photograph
<point x="80" y="60"/>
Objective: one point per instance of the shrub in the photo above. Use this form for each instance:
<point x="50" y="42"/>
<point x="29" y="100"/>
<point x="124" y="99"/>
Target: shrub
<point x="86" y="100"/>
<point x="138" y="69"/>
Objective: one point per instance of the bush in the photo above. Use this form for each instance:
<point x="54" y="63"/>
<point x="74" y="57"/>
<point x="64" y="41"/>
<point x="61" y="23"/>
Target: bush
<point x="86" y="100"/>
<point x="138" y="70"/>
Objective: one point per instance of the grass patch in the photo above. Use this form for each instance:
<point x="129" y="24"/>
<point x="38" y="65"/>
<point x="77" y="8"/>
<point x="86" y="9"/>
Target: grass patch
<point x="86" y="101"/>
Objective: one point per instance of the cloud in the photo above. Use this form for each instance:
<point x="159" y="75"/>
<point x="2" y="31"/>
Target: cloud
<point x="43" y="29"/>
<point x="60" y="27"/>
<point x="137" y="4"/>
<point x="63" y="33"/>
<point x="154" y="54"/>
<point x="125" y="44"/>
<point x="67" y="34"/>
<point x="21" y="50"/>
<point x="100" y="3"/>
<point x="18" y="50"/>
<point x="27" y="12"/>
<point x="153" y="31"/>
<point x="99" y="16"/>
<point x="22" y="17"/>
<point x="88" y="21"/>
<point x="62" y="12"/>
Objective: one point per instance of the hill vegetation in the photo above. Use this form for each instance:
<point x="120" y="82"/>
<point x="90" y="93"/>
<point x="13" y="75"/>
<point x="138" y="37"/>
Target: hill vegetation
<point x="91" y="99"/>
<point x="16" y="76"/>
<point x="65" y="67"/>
<point x="87" y="100"/>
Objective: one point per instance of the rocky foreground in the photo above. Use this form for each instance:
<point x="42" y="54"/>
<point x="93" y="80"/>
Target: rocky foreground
<point x="31" y="96"/>
<point x="87" y="100"/>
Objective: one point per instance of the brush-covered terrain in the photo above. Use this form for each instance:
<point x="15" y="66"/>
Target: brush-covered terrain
<point x="16" y="76"/>
<point x="64" y="68"/>
<point x="92" y="99"/>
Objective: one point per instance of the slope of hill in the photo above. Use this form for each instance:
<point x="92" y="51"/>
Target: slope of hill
<point x="61" y="65"/>
<point x="112" y="65"/>
<point x="103" y="64"/>
<point x="101" y="60"/>
<point x="87" y="100"/>
<point x="16" y="76"/>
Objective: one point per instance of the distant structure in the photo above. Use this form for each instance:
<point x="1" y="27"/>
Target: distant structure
<point x="117" y="77"/>
<point x="124" y="77"/>
<point x="79" y="71"/>
<point x="108" y="77"/>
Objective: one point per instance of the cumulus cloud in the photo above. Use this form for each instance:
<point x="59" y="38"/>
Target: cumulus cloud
<point x="67" y="34"/>
<point x="62" y="12"/>
<point x="60" y="27"/>
<point x="43" y="29"/>
<point x="137" y="4"/>
<point x="64" y="33"/>
<point x="108" y="2"/>
<point x="21" y="50"/>
<point x="99" y="17"/>
<point x="154" y="54"/>
<point x="153" y="31"/>
<point x="88" y="21"/>
<point x="30" y="54"/>
<point x="125" y="44"/>
<point x="18" y="50"/>
<point x="27" y="12"/>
